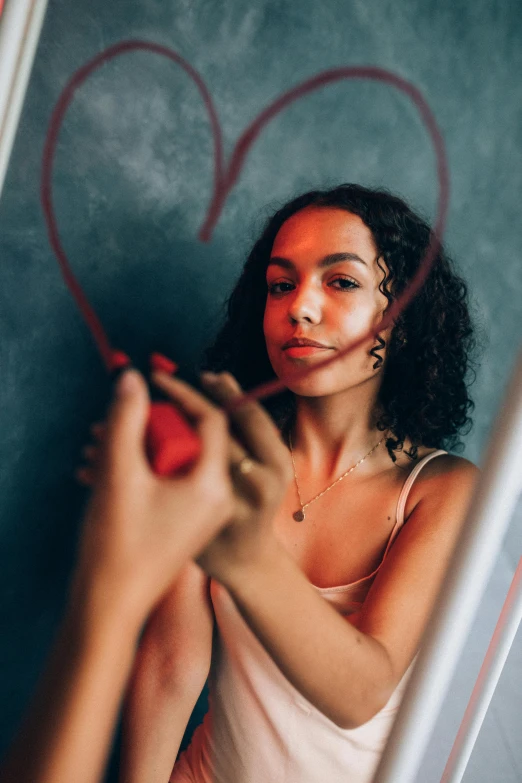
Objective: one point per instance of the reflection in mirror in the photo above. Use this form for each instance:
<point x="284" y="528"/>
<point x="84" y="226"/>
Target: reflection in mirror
<point x="297" y="631"/>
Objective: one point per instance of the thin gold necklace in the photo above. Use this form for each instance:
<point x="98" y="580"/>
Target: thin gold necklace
<point x="299" y="515"/>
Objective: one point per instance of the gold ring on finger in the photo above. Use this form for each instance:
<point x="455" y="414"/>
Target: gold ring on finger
<point x="244" y="466"/>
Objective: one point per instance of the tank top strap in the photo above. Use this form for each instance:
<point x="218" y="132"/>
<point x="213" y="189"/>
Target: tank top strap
<point x="405" y="491"/>
<point x="401" y="504"/>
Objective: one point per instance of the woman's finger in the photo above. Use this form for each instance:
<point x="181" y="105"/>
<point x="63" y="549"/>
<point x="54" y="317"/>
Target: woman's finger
<point x="252" y="425"/>
<point x="236" y="456"/>
<point x="123" y="448"/>
<point x="191" y="402"/>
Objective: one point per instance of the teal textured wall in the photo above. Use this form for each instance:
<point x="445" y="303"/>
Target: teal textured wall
<point x="132" y="184"/>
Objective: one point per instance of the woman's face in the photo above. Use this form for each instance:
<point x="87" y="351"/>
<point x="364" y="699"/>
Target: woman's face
<point x="323" y="286"/>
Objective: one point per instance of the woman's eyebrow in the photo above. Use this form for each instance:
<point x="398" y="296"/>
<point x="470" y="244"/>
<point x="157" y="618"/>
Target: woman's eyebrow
<point x="329" y="260"/>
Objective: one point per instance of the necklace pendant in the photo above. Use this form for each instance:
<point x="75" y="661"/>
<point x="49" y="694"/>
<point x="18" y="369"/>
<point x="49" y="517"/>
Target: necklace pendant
<point x="299" y="515"/>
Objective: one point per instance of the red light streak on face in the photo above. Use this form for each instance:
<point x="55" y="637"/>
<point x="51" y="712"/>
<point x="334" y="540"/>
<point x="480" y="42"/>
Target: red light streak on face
<point x="225" y="178"/>
<point x="323" y="285"/>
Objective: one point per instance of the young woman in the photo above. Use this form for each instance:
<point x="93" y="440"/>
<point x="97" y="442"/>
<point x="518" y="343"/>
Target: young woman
<point x="318" y="605"/>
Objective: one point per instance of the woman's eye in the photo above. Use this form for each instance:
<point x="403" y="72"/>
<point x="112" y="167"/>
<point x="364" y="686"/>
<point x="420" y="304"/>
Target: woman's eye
<point x="344" y="283"/>
<point x="282" y="287"/>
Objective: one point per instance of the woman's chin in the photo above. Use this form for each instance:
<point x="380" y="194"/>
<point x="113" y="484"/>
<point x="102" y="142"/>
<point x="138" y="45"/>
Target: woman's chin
<point x="311" y="387"/>
<point x="321" y="383"/>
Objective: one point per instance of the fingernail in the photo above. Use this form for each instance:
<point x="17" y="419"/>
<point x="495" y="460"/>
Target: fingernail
<point x="160" y="363"/>
<point x="128" y="383"/>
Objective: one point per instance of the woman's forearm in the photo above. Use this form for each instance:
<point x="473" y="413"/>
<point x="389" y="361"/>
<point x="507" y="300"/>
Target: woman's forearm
<point x="344" y="673"/>
<point x="170" y="669"/>
<point x="67" y="730"/>
<point x="154" y="721"/>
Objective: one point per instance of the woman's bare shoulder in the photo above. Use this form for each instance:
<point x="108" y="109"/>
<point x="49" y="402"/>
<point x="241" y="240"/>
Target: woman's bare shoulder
<point x="401" y="598"/>
<point x="445" y="479"/>
<point x="450" y="466"/>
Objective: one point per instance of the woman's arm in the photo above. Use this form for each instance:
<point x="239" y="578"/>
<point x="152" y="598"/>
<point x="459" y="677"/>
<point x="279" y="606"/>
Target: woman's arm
<point x="349" y="672"/>
<point x="70" y="723"/>
<point x="170" y="670"/>
<point x="134" y="542"/>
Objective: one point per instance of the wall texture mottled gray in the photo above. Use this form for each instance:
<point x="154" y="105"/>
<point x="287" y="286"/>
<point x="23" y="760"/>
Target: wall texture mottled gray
<point x="132" y="183"/>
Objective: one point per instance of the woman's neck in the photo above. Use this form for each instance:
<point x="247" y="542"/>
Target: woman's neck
<point x="332" y="432"/>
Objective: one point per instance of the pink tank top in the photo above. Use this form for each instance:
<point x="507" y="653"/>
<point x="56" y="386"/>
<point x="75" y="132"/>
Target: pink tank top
<point x="259" y="728"/>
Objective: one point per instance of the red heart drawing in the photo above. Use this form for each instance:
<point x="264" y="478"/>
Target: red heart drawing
<point x="225" y="176"/>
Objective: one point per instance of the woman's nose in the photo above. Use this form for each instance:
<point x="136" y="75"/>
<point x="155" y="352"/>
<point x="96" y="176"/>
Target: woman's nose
<point x="305" y="306"/>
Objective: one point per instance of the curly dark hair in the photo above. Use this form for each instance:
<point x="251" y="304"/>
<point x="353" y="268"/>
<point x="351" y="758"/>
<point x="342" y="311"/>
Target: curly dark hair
<point x="424" y="391"/>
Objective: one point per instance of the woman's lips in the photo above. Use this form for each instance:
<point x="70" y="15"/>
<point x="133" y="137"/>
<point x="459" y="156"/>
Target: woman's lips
<point x="299" y="351"/>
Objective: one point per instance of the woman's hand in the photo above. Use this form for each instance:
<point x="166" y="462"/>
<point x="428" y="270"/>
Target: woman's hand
<point x="140" y="528"/>
<point x="260" y="469"/>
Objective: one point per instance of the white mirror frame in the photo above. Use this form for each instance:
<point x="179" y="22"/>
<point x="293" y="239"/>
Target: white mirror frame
<point x="20" y="27"/>
<point x="472" y="563"/>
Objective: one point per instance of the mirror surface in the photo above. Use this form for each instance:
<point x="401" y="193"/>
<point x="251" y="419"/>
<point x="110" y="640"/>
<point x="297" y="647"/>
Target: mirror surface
<point x="132" y="183"/>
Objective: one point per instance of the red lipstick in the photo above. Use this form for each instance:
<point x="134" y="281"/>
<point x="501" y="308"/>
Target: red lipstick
<point x="298" y="347"/>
